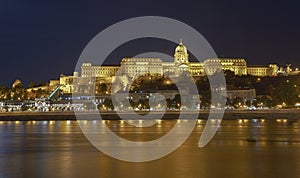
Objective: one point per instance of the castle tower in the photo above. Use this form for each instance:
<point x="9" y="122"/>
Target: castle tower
<point x="181" y="56"/>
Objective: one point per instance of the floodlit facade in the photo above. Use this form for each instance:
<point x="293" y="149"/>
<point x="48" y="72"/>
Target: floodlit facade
<point x="134" y="67"/>
<point x="238" y="66"/>
<point x="141" y="66"/>
<point x="66" y="83"/>
<point x="155" y="66"/>
<point x="88" y="70"/>
<point x="246" y="94"/>
<point x="262" y="71"/>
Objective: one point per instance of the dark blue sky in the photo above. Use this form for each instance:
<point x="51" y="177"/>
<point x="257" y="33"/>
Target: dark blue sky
<point x="39" y="40"/>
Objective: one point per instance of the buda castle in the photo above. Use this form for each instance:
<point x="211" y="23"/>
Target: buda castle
<point x="131" y="67"/>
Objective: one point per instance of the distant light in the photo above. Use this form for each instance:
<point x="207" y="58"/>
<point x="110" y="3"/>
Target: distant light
<point x="258" y="79"/>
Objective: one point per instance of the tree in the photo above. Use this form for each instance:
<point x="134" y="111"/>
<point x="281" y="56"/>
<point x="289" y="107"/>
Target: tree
<point x="32" y="84"/>
<point x="102" y="88"/>
<point x="42" y="83"/>
<point x="237" y="102"/>
<point x="285" y="92"/>
<point x="89" y="106"/>
<point x="169" y="103"/>
<point x="177" y="101"/>
<point x="108" y="103"/>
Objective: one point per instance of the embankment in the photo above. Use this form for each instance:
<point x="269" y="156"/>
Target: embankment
<point x="292" y="114"/>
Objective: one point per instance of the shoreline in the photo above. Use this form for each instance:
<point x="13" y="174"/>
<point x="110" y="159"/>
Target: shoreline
<point x="291" y="114"/>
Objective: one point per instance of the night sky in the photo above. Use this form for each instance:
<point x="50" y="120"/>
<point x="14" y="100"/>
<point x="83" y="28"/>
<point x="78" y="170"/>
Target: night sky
<point x="39" y="40"/>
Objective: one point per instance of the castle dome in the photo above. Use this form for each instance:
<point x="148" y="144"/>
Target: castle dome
<point x="181" y="55"/>
<point x="180" y="48"/>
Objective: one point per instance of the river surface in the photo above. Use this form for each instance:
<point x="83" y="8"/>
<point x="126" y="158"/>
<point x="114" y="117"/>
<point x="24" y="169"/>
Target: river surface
<point x="60" y="149"/>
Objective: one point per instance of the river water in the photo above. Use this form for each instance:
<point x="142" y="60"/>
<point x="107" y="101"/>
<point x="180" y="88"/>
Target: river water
<point x="60" y="149"/>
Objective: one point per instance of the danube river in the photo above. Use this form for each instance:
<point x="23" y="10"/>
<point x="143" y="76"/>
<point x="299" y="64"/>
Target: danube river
<point x="60" y="149"/>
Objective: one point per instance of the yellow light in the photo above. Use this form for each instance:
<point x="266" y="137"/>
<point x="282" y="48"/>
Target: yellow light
<point x="284" y="120"/>
<point x="278" y="120"/>
<point x="240" y="120"/>
<point x="68" y="122"/>
<point x="262" y="120"/>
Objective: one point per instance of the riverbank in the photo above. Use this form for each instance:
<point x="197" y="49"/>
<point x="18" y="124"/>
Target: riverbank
<point x="292" y="114"/>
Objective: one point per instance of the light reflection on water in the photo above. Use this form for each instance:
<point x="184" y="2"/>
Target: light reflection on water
<point x="59" y="149"/>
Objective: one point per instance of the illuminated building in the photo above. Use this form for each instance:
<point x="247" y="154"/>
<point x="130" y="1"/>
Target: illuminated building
<point x="133" y="67"/>
<point x="238" y="66"/>
<point x="181" y="55"/>
<point x="244" y="93"/>
<point x="273" y="70"/>
<point x="150" y="66"/>
<point x="88" y="70"/>
<point x="262" y="71"/>
<point x="196" y="69"/>
<point x="54" y="83"/>
<point x="66" y="83"/>
<point x="154" y="66"/>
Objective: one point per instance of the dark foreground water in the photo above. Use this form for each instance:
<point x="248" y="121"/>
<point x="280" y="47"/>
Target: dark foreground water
<point x="59" y="149"/>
